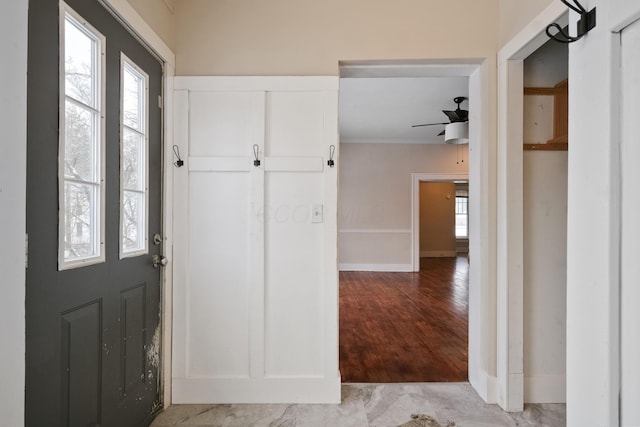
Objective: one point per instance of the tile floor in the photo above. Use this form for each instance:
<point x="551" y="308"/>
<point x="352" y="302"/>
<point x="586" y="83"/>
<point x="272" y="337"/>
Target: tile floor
<point x="369" y="405"/>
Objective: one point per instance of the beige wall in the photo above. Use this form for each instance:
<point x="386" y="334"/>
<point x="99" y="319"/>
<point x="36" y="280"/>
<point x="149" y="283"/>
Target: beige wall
<point x="437" y="219"/>
<point x="160" y="16"/>
<point x="374" y="201"/>
<point x="516" y="14"/>
<point x="309" y="37"/>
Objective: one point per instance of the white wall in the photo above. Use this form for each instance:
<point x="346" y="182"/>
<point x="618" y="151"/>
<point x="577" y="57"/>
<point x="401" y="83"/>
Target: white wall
<point x="547" y="66"/>
<point x="374" y="201"/>
<point x="545" y="273"/>
<point x="544" y="241"/>
<point x="13" y="101"/>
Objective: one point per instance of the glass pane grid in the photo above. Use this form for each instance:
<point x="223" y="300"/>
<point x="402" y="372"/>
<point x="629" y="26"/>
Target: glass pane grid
<point x="133" y="99"/>
<point x="133" y="160"/>
<point x="81" y="157"/>
<point x="462" y="217"/>
<point x="133" y="235"/>
<point x="81" y="64"/>
<point x="81" y="237"/>
<point x="81" y="142"/>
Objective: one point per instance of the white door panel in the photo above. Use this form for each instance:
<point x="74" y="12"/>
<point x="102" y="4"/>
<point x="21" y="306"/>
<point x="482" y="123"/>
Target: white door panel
<point x="255" y="318"/>
<point x="218" y="304"/>
<point x="294" y="255"/>
<point x="630" y="249"/>
<point x="295" y="124"/>
<point x="220" y="124"/>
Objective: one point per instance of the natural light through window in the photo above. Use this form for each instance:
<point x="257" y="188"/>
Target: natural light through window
<point x="81" y="147"/>
<point x="133" y="159"/>
<point x="462" y="214"/>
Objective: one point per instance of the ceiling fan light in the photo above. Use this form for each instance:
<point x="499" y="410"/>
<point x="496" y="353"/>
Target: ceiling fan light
<point x="456" y="133"/>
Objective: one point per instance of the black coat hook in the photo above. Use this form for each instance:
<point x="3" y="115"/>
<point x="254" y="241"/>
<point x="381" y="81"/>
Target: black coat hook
<point x="179" y="162"/>
<point x="332" y="151"/>
<point x="256" y="151"/>
<point x="586" y="23"/>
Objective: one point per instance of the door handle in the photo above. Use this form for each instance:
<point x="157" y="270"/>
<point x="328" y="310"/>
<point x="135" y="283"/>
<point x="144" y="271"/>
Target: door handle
<point x="159" y="261"/>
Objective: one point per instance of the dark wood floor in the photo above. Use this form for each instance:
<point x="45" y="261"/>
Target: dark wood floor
<point x="405" y="327"/>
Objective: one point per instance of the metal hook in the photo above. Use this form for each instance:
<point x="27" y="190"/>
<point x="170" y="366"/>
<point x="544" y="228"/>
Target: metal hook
<point x="256" y="151"/>
<point x="586" y="23"/>
<point x="179" y="162"/>
<point x="332" y="152"/>
<point x="577" y="8"/>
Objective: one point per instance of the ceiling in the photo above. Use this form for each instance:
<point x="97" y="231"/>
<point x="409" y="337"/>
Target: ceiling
<point x="382" y="109"/>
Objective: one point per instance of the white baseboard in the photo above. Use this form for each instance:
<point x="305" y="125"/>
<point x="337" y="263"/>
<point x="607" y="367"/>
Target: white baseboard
<point x="259" y="390"/>
<point x="438" y="254"/>
<point x="485" y="385"/>
<point x="545" y="389"/>
<point x="376" y="267"/>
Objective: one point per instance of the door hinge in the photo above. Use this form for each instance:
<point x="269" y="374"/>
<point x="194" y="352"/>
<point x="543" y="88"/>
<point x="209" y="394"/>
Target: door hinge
<point x="26" y="250"/>
<point x="160" y="101"/>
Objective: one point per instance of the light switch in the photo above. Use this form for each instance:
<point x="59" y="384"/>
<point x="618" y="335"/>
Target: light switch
<point x="316" y="213"/>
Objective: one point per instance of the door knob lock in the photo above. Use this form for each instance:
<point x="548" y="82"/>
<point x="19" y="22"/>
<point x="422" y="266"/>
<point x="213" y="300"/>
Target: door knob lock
<point x="158" y="260"/>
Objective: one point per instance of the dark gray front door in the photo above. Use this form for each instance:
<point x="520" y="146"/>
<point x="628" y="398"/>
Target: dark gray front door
<point x="93" y="331"/>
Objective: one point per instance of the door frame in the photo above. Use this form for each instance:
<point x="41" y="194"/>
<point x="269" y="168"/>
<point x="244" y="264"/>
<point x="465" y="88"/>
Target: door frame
<point x="623" y="14"/>
<point x="416" y="179"/>
<point x="130" y="18"/>
<point x="481" y="177"/>
<point x="510" y="279"/>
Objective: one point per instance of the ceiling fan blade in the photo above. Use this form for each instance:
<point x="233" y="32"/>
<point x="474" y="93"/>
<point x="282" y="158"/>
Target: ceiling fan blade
<point x="429" y="124"/>
<point x="441" y="133"/>
<point x="452" y="115"/>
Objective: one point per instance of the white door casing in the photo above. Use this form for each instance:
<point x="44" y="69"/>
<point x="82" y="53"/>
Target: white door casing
<point x="510" y="295"/>
<point x="256" y="286"/>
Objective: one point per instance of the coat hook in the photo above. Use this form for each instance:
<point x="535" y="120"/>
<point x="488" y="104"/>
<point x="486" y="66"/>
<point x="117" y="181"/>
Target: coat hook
<point x="179" y="162"/>
<point x="332" y="151"/>
<point x="586" y="23"/>
<point x="256" y="151"/>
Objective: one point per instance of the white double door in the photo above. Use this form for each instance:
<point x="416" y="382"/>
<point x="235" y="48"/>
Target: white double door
<point x="255" y="297"/>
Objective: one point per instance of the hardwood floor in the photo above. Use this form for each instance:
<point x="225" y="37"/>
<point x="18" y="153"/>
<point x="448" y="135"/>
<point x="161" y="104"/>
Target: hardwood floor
<point x="405" y="327"/>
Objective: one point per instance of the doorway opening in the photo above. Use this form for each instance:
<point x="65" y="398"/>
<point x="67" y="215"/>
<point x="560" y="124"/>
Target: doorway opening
<point x="518" y="336"/>
<point x="544" y="220"/>
<point x="402" y="318"/>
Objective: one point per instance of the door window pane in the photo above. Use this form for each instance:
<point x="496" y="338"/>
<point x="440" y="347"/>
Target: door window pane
<point x="81" y="143"/>
<point x="132" y="98"/>
<point x="80" y="65"/>
<point x="133" y="160"/>
<point x="81" y="167"/>
<point x="133" y="222"/>
<point x="80" y="236"/>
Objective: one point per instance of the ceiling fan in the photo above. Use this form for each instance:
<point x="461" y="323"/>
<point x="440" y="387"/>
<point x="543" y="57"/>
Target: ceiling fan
<point x="456" y="116"/>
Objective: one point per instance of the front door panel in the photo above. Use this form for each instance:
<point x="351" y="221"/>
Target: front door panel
<point x="92" y="331"/>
